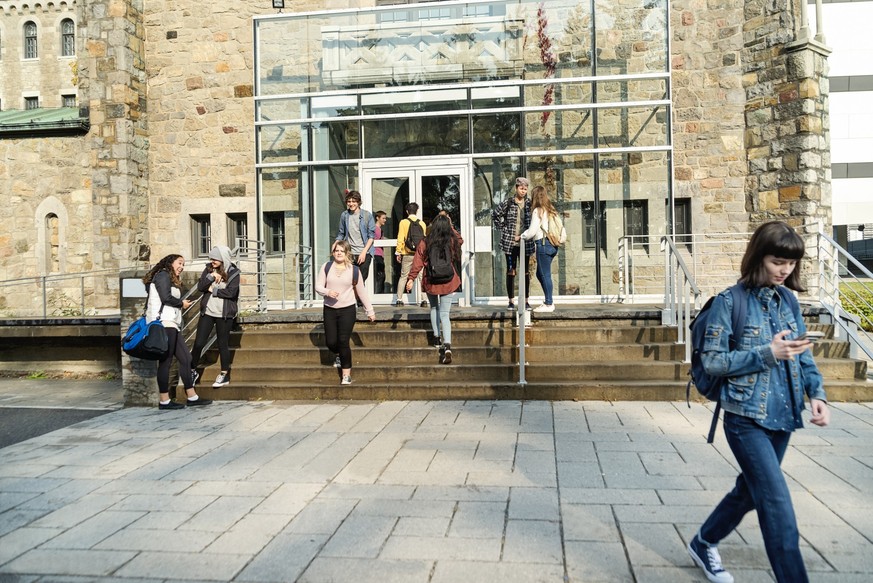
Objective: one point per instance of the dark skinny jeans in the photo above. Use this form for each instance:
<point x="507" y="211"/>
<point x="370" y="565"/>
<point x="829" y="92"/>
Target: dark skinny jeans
<point x="223" y="326"/>
<point x="179" y="349"/>
<point x="338" y="326"/>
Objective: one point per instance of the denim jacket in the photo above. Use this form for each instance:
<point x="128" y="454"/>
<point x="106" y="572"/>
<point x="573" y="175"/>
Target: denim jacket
<point x="751" y="366"/>
<point x="367" y="224"/>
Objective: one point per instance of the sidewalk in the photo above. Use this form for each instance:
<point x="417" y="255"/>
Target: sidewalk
<point x="412" y="492"/>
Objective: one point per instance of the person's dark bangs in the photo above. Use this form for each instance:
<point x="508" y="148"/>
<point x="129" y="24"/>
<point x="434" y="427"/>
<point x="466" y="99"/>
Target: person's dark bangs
<point x="788" y="246"/>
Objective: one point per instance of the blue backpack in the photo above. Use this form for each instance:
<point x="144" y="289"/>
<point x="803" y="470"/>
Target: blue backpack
<point x="708" y="385"/>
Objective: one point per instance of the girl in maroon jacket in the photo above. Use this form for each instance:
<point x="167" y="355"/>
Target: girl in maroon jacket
<point x="440" y="235"/>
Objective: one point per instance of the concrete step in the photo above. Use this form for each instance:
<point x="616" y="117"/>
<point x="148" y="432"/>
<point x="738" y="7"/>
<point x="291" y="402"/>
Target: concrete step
<point x="365" y="335"/>
<point x="854" y="390"/>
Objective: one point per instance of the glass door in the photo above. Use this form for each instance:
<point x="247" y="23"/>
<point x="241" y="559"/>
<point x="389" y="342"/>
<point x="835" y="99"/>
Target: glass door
<point x="388" y="190"/>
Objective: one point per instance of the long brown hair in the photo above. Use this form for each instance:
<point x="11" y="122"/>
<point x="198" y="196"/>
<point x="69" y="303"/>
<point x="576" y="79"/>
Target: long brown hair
<point x="539" y="198"/>
<point x="165" y="264"/>
<point x="774" y="238"/>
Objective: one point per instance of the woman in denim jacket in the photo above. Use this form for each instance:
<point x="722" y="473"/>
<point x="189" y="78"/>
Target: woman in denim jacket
<point x="768" y="373"/>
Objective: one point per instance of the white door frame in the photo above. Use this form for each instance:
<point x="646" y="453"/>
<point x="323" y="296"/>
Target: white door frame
<point x="414" y="171"/>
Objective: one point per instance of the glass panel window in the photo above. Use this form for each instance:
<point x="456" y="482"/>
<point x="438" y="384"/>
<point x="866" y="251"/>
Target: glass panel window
<point x="592" y="224"/>
<point x="274" y="232"/>
<point x="68" y="100"/>
<point x="68" y="38"/>
<point x="400" y="136"/>
<point x="30" y="46"/>
<point x="201" y="235"/>
<point x="237" y="231"/>
<point x="31" y="103"/>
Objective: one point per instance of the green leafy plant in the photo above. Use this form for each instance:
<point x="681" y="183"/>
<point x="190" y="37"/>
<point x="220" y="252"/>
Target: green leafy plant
<point x="63" y="306"/>
<point x="36" y="374"/>
<point x="858" y="300"/>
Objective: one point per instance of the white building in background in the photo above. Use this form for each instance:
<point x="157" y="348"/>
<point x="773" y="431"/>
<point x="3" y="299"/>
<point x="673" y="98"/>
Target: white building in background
<point x="847" y="32"/>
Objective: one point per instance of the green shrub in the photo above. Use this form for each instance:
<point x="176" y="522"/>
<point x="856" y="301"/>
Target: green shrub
<point x="858" y="300"/>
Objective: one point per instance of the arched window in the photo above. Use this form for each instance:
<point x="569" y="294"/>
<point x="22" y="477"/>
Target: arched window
<point x="68" y="38"/>
<point x="52" y="244"/>
<point x="30" y="46"/>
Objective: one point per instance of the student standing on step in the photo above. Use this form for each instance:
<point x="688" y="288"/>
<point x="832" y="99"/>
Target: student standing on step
<point x="219" y="284"/>
<point x="379" y="253"/>
<point x="164" y="286"/>
<point x="358" y="228"/>
<point x="410" y="232"/>
<point x="511" y="218"/>
<point x="542" y="214"/>
<point x="768" y="375"/>
<point x="339" y="281"/>
<point x="441" y="247"/>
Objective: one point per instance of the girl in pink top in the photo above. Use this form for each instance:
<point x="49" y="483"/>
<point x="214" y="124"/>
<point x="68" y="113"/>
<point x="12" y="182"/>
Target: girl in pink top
<point x="335" y="282"/>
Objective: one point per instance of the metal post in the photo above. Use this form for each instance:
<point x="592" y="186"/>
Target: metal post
<point x="44" y="299"/>
<point x="520" y="310"/>
<point x="82" y="289"/>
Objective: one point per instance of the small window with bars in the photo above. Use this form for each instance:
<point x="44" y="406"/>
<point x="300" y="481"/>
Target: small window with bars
<point x="274" y="232"/>
<point x="68" y="100"/>
<point x="68" y="38"/>
<point x="31" y="49"/>
<point x="237" y="231"/>
<point x="201" y="235"/>
<point x="31" y="103"/>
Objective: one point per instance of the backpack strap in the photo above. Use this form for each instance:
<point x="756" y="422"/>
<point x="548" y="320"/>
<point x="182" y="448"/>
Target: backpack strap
<point x="740" y="304"/>
<point x="355" y="272"/>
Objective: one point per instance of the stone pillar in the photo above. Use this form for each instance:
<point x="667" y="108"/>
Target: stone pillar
<point x="787" y="125"/>
<point x="112" y="85"/>
<point x="138" y="376"/>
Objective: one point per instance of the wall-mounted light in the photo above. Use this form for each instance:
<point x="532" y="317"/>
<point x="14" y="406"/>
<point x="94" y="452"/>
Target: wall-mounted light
<point x="279" y="4"/>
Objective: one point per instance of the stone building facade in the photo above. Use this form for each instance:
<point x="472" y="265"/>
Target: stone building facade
<point x="169" y="91"/>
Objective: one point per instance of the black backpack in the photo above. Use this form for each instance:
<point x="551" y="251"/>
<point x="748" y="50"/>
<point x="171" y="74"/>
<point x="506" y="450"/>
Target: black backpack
<point x="439" y="265"/>
<point x="706" y="384"/>
<point x="414" y="235"/>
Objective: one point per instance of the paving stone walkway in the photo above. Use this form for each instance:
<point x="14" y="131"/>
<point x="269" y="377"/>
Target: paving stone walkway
<point x="407" y="492"/>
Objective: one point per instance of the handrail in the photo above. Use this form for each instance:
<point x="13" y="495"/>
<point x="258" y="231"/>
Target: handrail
<point x="521" y="313"/>
<point x="834" y="292"/>
<point x="680" y="292"/>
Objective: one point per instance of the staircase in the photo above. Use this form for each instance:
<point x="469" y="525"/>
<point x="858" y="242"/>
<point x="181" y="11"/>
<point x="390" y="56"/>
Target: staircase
<point x="598" y="352"/>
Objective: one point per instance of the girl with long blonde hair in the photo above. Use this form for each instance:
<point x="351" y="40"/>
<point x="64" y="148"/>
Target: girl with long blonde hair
<point x="542" y="213"/>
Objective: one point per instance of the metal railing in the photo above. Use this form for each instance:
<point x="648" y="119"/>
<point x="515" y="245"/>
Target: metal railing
<point x="840" y="288"/>
<point x="846" y="296"/>
<point x="62" y="295"/>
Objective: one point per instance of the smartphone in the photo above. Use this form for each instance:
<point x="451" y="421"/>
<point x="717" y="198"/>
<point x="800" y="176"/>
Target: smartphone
<point x="812" y="336"/>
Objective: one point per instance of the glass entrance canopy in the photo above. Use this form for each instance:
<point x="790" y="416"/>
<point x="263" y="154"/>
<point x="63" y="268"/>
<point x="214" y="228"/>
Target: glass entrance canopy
<point x="572" y="95"/>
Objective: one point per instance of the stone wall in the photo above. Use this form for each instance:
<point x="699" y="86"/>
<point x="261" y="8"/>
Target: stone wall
<point x="708" y="106"/>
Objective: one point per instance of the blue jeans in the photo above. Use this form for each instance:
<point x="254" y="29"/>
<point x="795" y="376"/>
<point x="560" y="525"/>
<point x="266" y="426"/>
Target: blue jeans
<point x="545" y="254"/>
<point x="761" y="487"/>
<point x="440" y="310"/>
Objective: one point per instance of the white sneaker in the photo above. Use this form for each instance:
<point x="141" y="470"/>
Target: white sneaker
<point x="545" y="308"/>
<point x="222" y="380"/>
<point x="347" y="380"/>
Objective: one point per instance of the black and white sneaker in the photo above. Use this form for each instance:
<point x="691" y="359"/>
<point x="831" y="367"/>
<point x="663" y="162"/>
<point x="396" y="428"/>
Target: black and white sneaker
<point x="337" y="363"/>
<point x="708" y="559"/>
<point x="195" y="377"/>
<point x="222" y="380"/>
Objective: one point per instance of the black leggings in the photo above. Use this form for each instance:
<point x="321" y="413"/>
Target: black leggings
<point x="338" y="326"/>
<point x="179" y="349"/>
<point x="511" y="266"/>
<point x="223" y="326"/>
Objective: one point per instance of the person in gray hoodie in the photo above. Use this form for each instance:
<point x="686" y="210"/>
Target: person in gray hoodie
<point x="219" y="284"/>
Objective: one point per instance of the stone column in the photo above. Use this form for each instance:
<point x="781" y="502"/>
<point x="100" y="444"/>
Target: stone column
<point x="112" y="85"/>
<point x="787" y="125"/>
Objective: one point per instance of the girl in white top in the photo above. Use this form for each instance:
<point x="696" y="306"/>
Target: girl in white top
<point x="164" y="285"/>
<point x="542" y="214"/>
<point x="335" y="281"/>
